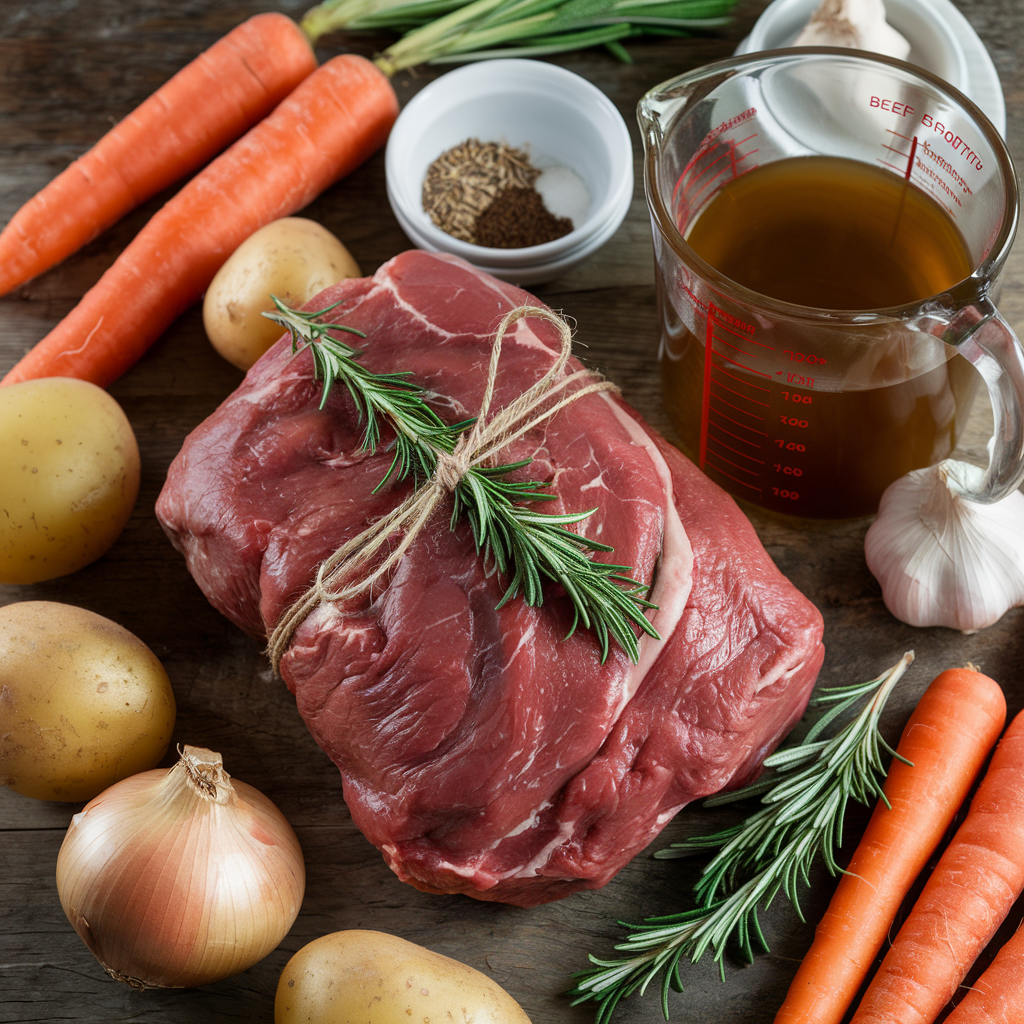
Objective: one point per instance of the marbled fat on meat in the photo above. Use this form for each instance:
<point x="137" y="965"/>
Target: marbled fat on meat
<point x="481" y="751"/>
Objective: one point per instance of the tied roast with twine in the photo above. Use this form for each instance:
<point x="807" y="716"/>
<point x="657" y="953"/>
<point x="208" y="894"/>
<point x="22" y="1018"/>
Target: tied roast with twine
<point x="339" y="576"/>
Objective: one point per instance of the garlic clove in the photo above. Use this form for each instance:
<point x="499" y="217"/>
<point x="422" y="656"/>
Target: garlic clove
<point x="859" y="24"/>
<point x="943" y="560"/>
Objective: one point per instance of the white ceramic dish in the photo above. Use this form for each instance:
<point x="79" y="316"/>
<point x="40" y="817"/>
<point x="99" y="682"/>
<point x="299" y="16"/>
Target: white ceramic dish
<point x="556" y="116"/>
<point x="530" y="272"/>
<point x="942" y="41"/>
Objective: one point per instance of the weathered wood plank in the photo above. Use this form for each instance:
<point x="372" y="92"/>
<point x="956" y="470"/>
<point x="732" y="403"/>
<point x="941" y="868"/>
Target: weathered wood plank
<point x="67" y="70"/>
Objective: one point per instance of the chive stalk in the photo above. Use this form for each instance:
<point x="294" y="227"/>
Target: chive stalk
<point x="443" y="31"/>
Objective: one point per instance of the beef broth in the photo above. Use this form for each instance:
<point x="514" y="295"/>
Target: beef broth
<point x="783" y="420"/>
<point x="831" y="233"/>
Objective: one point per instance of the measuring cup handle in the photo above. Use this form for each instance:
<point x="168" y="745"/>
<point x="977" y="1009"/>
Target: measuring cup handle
<point x="982" y="336"/>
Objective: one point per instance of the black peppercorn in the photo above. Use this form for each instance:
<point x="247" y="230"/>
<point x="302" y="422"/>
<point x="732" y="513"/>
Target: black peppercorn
<point x="517" y="218"/>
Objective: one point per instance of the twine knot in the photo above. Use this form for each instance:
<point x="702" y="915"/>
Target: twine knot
<point x="339" y="578"/>
<point x="452" y="468"/>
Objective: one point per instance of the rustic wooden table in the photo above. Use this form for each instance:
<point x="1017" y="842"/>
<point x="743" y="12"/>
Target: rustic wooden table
<point x="67" y="71"/>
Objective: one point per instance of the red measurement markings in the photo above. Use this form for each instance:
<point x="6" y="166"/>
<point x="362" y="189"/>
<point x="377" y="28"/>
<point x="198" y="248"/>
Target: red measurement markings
<point x="740" y="425"/>
<point x="895" y="148"/>
<point x="686" y="180"/>
<point x="730" y="145"/>
<point x="906" y="168"/>
<point x="736" y="479"/>
<point x="908" y="158"/>
<point x="743" y="440"/>
<point x="720" y="459"/>
<point x="720" y="401"/>
<point x="729" y="344"/>
<point x="745" y="335"/>
<point x="746" y="398"/>
<point x="694" y="182"/>
<point x="730" y="361"/>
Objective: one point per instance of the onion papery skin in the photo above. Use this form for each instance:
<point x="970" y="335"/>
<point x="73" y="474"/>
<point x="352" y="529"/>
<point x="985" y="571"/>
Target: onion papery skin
<point x="171" y="887"/>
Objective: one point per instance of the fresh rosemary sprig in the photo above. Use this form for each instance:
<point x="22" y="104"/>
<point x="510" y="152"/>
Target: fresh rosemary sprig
<point x="393" y="397"/>
<point x="804" y="802"/>
<point x="526" y="546"/>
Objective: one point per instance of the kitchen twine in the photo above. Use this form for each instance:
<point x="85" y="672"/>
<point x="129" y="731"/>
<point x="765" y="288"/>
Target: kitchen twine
<point x="485" y="439"/>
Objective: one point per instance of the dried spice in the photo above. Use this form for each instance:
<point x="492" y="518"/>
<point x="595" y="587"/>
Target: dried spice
<point x="463" y="181"/>
<point x="484" y="193"/>
<point x="517" y="218"/>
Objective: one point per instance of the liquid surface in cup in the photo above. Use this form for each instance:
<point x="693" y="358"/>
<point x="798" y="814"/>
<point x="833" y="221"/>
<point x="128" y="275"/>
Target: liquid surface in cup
<point x="831" y="233"/>
<point x="806" y="420"/>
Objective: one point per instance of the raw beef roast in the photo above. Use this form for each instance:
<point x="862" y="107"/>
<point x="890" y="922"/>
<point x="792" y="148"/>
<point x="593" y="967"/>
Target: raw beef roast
<point x="481" y="751"/>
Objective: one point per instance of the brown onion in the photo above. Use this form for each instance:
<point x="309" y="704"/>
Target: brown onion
<point x="178" y="877"/>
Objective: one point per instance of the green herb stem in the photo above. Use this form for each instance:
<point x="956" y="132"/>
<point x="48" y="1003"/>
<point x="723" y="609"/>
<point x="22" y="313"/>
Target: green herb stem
<point x="803" y="808"/>
<point x="526" y="546"/>
<point x="334" y="14"/>
<point x="403" y="16"/>
<point x="419" y="45"/>
<point x="540" y="46"/>
<point x="441" y="31"/>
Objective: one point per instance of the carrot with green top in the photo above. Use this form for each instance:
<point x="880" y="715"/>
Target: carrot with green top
<point x="331" y="123"/>
<point x="207" y="105"/>
<point x="965" y="900"/>
<point x="947" y="739"/>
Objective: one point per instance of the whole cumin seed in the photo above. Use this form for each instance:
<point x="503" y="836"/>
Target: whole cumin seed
<point x="464" y="180"/>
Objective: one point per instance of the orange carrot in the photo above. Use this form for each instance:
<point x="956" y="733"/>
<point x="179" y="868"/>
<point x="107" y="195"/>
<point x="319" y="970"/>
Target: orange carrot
<point x="188" y="120"/>
<point x="997" y="997"/>
<point x="966" y="899"/>
<point x="947" y="739"/>
<point x="333" y="121"/>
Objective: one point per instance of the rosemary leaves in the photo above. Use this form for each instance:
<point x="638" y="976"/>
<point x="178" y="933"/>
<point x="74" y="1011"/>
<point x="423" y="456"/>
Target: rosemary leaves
<point x="801" y="817"/>
<point x="525" y="546"/>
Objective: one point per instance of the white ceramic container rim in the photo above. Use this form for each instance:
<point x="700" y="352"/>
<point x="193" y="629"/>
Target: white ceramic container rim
<point x="943" y="53"/>
<point x="505" y="77"/>
<point x="535" y="272"/>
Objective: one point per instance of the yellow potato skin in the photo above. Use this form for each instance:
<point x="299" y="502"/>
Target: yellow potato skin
<point x="69" y="477"/>
<point x="367" y="977"/>
<point x="84" y="703"/>
<point x="292" y="258"/>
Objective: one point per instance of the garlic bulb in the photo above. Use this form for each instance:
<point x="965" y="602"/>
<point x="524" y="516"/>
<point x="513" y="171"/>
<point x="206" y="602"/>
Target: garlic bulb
<point x="178" y="877"/>
<point x="859" y="24"/>
<point x="943" y="560"/>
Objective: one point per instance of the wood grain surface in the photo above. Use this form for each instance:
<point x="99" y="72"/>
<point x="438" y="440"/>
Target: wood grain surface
<point x="68" y="70"/>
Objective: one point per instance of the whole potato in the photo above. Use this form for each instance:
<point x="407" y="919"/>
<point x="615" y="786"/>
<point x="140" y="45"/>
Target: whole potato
<point x="364" y="977"/>
<point x="83" y="702"/>
<point x="292" y="258"/>
<point x="69" y="477"/>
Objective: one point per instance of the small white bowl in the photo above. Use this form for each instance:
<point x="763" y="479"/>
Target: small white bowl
<point x="556" y="116"/>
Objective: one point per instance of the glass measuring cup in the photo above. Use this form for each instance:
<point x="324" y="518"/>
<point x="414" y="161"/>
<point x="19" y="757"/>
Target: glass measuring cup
<point x="809" y="411"/>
